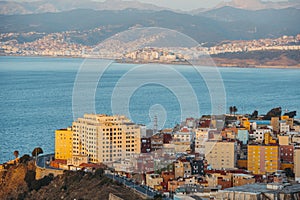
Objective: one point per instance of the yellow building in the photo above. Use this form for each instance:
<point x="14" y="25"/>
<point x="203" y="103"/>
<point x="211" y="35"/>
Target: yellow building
<point x="246" y="123"/>
<point x="63" y="144"/>
<point x="284" y="117"/>
<point x="182" y="168"/>
<point x="153" y="180"/>
<point x="263" y="159"/>
<point x="268" y="139"/>
<point x="105" y="139"/>
<point x="284" y="166"/>
<point x="275" y="124"/>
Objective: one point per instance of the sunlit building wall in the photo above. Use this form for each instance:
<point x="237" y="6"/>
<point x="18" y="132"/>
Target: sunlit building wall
<point x="105" y="139"/>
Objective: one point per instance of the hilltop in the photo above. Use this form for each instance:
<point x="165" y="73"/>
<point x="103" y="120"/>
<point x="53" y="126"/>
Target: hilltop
<point x="18" y="182"/>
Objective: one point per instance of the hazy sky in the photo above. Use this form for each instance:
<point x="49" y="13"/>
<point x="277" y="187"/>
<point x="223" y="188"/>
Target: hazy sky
<point x="180" y="4"/>
<point x="189" y="4"/>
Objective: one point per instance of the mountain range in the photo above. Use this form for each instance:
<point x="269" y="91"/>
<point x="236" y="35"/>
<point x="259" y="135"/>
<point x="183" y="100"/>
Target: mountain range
<point x="43" y="6"/>
<point x="259" y="5"/>
<point x="226" y="23"/>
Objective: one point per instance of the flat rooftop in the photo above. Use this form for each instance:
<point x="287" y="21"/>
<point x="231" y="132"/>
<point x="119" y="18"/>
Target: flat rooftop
<point x="262" y="188"/>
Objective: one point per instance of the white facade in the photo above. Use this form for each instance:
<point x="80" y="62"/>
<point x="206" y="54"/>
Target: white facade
<point x="143" y="131"/>
<point x="201" y="138"/>
<point x="259" y="134"/>
<point x="105" y="139"/>
<point x="183" y="137"/>
<point x="284" y="128"/>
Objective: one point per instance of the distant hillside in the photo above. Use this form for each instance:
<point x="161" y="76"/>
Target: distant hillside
<point x="217" y="25"/>
<point x="259" y="4"/>
<point x="258" y="59"/>
<point x="43" y="6"/>
<point x="228" y="13"/>
<point x="9" y="7"/>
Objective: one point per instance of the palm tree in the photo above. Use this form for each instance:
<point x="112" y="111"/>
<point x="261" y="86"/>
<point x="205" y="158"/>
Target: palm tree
<point x="230" y="110"/>
<point x="234" y="109"/>
<point x="16" y="154"/>
<point x="36" y="151"/>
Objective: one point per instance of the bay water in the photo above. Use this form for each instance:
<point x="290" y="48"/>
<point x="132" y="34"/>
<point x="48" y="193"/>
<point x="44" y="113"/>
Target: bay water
<point x="36" y="96"/>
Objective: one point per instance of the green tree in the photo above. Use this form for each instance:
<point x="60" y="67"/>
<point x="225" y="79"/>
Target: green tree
<point x="16" y="154"/>
<point x="37" y="151"/>
<point x="234" y="110"/>
<point x="289" y="172"/>
<point x="230" y="110"/>
<point x="25" y="158"/>
<point x="99" y="172"/>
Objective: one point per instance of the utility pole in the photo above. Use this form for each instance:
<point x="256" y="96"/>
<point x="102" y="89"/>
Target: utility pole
<point x="155" y="126"/>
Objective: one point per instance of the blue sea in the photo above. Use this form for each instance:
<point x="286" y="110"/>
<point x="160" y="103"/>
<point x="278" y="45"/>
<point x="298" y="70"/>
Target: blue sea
<point x="37" y="93"/>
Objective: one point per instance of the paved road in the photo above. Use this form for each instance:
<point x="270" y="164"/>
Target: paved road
<point x="139" y="188"/>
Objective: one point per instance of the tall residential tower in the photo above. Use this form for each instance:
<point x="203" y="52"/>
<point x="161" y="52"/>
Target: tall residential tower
<point x="100" y="138"/>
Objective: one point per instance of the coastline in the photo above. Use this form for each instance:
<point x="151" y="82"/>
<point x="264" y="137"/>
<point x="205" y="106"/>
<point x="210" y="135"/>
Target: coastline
<point x="220" y="65"/>
<point x="164" y="63"/>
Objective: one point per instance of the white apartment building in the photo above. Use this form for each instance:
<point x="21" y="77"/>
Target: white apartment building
<point x="185" y="135"/>
<point x="201" y="138"/>
<point x="105" y="139"/>
<point x="284" y="128"/>
<point x="259" y="134"/>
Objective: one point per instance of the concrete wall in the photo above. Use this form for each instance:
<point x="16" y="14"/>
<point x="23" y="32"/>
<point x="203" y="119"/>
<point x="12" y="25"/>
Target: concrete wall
<point x="113" y="197"/>
<point x="41" y="172"/>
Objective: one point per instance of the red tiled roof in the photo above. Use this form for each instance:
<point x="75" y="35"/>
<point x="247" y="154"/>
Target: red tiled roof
<point x="185" y="130"/>
<point x="60" y="161"/>
<point x="91" y="165"/>
<point x="189" y="119"/>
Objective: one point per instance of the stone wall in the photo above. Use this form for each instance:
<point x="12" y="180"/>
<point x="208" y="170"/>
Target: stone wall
<point x="41" y="172"/>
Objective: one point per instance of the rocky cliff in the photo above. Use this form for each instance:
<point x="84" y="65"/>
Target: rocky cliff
<point x="13" y="180"/>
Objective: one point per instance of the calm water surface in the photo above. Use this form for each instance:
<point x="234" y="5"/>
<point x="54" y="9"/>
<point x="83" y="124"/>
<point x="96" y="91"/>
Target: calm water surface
<point x="36" y="97"/>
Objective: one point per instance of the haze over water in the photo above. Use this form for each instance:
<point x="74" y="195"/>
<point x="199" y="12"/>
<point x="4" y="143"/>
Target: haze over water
<point x="36" y="97"/>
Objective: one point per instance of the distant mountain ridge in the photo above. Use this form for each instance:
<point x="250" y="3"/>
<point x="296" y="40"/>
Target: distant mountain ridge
<point x="260" y="5"/>
<point x="226" y="23"/>
<point x="43" y="6"/>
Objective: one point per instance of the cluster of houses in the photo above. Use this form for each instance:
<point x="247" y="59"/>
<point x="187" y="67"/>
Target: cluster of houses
<point x="212" y="155"/>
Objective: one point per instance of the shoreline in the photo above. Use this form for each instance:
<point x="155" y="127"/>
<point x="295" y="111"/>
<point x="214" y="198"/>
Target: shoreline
<point x="120" y="61"/>
<point x="219" y="66"/>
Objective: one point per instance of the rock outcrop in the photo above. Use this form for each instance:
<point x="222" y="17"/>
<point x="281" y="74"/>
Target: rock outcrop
<point x="291" y="114"/>
<point x="275" y="112"/>
<point x="18" y="182"/>
<point x="13" y="180"/>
